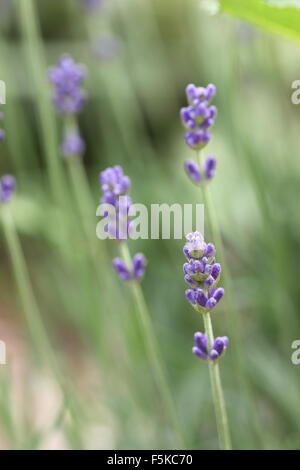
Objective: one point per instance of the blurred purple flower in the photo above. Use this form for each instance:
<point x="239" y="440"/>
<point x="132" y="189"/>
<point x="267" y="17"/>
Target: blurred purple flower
<point x="73" y="145"/>
<point x="7" y="187"/>
<point x="67" y="77"/>
<point x="199" y="115"/>
<point x="115" y="187"/>
<point x="201" y="347"/>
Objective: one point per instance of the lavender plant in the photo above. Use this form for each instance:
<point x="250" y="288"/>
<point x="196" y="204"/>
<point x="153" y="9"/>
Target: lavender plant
<point x="114" y="185"/>
<point x="202" y="272"/>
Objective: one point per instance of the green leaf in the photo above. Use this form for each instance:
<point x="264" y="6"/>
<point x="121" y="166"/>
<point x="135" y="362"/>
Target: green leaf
<point x="282" y="20"/>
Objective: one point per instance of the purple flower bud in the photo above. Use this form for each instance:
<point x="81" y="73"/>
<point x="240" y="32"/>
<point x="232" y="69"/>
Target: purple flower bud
<point x="195" y="246"/>
<point x="199" y="353"/>
<point x="210" y="91"/>
<point x="73" y="145"/>
<point x="192" y="170"/>
<point x="201" y="341"/>
<point x="121" y="269"/>
<point x="190" y="295"/>
<point x="217" y="293"/>
<point x="210" y="250"/>
<point x="213" y="355"/>
<point x="210" y="167"/>
<point x="139" y="265"/>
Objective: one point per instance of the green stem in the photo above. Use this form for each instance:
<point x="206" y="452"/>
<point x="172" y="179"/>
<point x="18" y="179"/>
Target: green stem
<point x="234" y="319"/>
<point x="218" y="396"/>
<point x="152" y="348"/>
<point x="32" y="314"/>
<point x="36" y="61"/>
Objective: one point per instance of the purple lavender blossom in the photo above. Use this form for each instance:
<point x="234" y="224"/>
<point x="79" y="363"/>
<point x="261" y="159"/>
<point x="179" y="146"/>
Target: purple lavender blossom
<point x="201" y="273"/>
<point x="201" y="347"/>
<point x="73" y="145"/>
<point x="67" y="77"/>
<point x="199" y="115"/>
<point x="200" y="175"/>
<point x="7" y="188"/>
<point x="136" y="271"/>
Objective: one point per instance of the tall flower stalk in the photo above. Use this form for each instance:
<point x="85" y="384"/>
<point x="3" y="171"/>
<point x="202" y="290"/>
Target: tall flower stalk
<point x="198" y="118"/>
<point x="115" y="188"/>
<point x="202" y="273"/>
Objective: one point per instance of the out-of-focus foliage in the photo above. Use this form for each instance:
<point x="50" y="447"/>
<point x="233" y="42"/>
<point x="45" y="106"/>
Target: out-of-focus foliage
<point x="279" y="18"/>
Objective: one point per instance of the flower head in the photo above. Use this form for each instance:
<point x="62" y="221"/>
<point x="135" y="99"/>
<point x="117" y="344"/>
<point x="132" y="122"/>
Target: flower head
<point x="201" y="273"/>
<point x="67" y="77"/>
<point x="216" y="351"/>
<point x="199" y="115"/>
<point x="7" y="188"/>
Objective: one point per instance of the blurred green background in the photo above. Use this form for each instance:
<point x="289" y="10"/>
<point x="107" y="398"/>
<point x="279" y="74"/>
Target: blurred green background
<point x="150" y="50"/>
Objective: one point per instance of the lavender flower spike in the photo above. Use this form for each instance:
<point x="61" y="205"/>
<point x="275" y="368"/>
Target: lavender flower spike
<point x="201" y="273"/>
<point x="115" y="187"/>
<point x="7" y="188"/>
<point x="67" y="77"/>
<point x="198" y="117"/>
<point x="201" y="347"/>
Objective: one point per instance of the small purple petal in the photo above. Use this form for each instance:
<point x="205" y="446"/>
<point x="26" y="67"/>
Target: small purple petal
<point x="138" y="265"/>
<point x="199" y="353"/>
<point x="213" y="355"/>
<point x="192" y="170"/>
<point x="190" y="295"/>
<point x="201" y="341"/>
<point x="121" y="269"/>
<point x="210" y="167"/>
